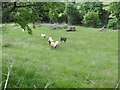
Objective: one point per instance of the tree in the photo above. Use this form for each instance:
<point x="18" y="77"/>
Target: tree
<point x="91" y="19"/>
<point x="115" y="11"/>
<point x="54" y="10"/>
<point x="21" y="13"/>
<point x="24" y="13"/>
<point x="90" y="6"/>
<point x="112" y="23"/>
<point x="73" y="14"/>
<point x="86" y="7"/>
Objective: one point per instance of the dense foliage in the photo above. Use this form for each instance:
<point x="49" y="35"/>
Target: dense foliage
<point x="91" y="19"/>
<point x="24" y="16"/>
<point x="115" y="11"/>
<point x="21" y="13"/>
<point x="90" y="6"/>
<point x="112" y="23"/>
<point x="86" y="7"/>
<point x="24" y="13"/>
<point x="72" y="13"/>
<point x="91" y="13"/>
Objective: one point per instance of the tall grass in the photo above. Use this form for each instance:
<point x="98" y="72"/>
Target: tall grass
<point x="89" y="58"/>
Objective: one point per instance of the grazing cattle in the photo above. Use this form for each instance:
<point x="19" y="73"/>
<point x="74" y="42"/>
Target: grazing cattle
<point x="43" y="35"/>
<point x="63" y="39"/>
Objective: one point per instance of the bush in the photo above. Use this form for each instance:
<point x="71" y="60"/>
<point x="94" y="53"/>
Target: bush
<point x="91" y="19"/>
<point x="112" y="23"/>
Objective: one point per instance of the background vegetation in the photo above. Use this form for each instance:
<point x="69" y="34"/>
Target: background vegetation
<point x="72" y="13"/>
<point x="89" y="58"/>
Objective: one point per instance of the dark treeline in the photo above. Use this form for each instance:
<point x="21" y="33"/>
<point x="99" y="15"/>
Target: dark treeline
<point x="92" y="14"/>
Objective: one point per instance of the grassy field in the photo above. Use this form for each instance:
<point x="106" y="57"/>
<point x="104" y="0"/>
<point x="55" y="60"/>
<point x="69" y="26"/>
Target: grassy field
<point x="89" y="58"/>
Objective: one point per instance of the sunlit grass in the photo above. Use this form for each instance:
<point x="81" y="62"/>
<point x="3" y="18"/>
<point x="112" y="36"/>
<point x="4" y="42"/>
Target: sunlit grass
<point x="89" y="58"/>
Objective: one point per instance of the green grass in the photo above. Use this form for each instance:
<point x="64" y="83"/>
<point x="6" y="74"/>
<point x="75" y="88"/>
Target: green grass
<point x="89" y="58"/>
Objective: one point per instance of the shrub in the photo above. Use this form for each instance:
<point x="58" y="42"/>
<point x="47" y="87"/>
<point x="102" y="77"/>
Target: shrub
<point x="112" y="23"/>
<point x="91" y="19"/>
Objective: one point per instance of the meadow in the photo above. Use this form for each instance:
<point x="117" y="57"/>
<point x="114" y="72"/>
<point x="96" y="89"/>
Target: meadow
<point x="88" y="59"/>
